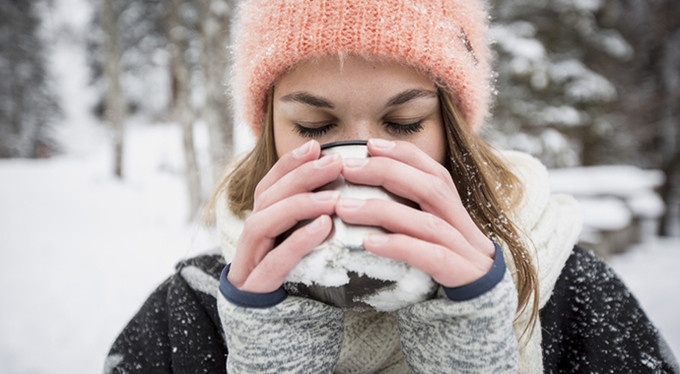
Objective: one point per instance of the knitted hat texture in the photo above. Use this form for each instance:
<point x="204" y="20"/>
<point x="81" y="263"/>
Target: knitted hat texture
<point x="442" y="39"/>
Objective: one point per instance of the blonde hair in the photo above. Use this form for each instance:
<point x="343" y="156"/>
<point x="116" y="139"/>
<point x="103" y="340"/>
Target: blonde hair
<point x="488" y="189"/>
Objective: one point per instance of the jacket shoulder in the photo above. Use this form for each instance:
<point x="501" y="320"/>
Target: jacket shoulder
<point x="210" y="262"/>
<point x="177" y="329"/>
<point x="593" y="323"/>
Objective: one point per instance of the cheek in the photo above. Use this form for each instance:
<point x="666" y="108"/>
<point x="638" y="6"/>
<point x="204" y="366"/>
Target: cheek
<point x="437" y="151"/>
<point x="434" y="144"/>
<point x="285" y="140"/>
<point x="280" y="141"/>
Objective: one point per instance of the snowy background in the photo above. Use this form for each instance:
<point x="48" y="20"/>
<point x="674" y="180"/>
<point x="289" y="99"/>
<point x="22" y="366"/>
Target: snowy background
<point x="81" y="250"/>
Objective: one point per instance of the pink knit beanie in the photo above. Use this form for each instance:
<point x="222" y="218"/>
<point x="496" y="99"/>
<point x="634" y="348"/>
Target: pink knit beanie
<point x="442" y="39"/>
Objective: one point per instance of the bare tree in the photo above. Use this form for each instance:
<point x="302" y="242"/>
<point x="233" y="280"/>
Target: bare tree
<point x="116" y="110"/>
<point x="215" y="26"/>
<point x="670" y="132"/>
<point x="180" y="74"/>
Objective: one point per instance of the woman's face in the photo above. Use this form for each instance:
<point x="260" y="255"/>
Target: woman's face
<point x="357" y="99"/>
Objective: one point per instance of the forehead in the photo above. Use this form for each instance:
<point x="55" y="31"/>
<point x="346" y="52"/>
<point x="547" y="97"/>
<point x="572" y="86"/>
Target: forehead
<point x="332" y="73"/>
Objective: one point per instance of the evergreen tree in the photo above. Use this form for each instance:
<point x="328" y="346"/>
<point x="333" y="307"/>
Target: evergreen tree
<point x="591" y="82"/>
<point x="28" y="108"/>
<point x="551" y="102"/>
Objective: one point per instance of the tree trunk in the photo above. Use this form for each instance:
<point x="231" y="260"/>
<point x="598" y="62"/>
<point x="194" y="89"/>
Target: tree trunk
<point x="670" y="152"/>
<point x="181" y="95"/>
<point x="669" y="192"/>
<point x="215" y="32"/>
<point x="116" y="110"/>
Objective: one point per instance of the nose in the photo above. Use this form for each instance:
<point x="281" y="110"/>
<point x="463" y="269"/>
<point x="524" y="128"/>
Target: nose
<point x="360" y="130"/>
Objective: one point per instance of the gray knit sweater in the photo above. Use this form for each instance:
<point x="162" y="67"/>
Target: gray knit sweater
<point x="300" y="335"/>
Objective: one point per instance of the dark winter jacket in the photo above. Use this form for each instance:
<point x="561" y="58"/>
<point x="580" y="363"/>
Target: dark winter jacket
<point x="591" y="324"/>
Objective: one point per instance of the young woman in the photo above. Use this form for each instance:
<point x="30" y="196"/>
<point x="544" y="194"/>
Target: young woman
<point x="411" y="77"/>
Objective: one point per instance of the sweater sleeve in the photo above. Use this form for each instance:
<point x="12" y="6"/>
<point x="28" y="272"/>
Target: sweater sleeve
<point x="470" y="335"/>
<point x="289" y="335"/>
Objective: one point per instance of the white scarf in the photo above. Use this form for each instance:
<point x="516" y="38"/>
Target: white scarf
<point x="552" y="223"/>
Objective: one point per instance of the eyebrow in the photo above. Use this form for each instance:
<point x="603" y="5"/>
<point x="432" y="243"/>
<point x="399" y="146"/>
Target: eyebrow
<point x="409" y="95"/>
<point x="320" y="102"/>
<point x="309" y="99"/>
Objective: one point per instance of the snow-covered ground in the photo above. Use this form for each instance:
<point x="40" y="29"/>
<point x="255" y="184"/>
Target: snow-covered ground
<point x="80" y="250"/>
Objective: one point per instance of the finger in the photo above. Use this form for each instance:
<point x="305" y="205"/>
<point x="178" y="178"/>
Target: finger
<point x="271" y="272"/>
<point x="435" y="194"/>
<point x="270" y="223"/>
<point x="262" y="228"/>
<point x="304" y="178"/>
<point x="289" y="161"/>
<point x="401" y="179"/>
<point x="399" y="218"/>
<point x="452" y="210"/>
<point x="444" y="266"/>
<point x="409" y="154"/>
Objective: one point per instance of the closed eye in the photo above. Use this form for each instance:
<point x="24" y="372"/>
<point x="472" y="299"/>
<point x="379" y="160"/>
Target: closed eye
<point x="313" y="131"/>
<point x="404" y="129"/>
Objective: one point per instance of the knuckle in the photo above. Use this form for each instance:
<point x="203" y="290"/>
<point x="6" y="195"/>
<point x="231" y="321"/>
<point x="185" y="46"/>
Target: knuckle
<point x="251" y="226"/>
<point x="440" y="187"/>
<point x="439" y="260"/>
<point x="260" y="189"/>
<point x="443" y="174"/>
<point x="267" y="267"/>
<point x="434" y="223"/>
<point x="438" y="191"/>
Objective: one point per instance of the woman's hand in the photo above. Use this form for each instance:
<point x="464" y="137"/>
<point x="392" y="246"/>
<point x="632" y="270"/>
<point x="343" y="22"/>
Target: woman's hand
<point x="441" y="239"/>
<point x="282" y="199"/>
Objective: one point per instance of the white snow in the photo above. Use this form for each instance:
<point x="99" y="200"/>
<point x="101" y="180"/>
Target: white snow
<point x="614" y="44"/>
<point x="330" y="265"/>
<point x="562" y="115"/>
<point x="519" y="42"/>
<point x="612" y="196"/>
<point x="605" y="214"/>
<point x="82" y="250"/>
<point x="582" y="84"/>
<point x="620" y="180"/>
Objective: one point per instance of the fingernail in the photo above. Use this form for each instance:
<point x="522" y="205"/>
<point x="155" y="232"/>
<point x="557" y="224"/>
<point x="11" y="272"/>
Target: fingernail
<point x="326" y="160"/>
<point x="376" y="239"/>
<point x="325" y="195"/>
<point x="302" y="150"/>
<point x="315" y="225"/>
<point x="355" y="162"/>
<point x="382" y="143"/>
<point x="349" y="203"/>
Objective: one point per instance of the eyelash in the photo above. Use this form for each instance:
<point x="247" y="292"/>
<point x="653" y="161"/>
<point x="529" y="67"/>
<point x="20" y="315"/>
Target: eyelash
<point x="394" y="128"/>
<point x="313" y="132"/>
<point x="404" y="129"/>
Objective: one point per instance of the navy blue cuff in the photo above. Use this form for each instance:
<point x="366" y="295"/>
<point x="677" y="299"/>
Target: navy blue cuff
<point x="481" y="285"/>
<point x="249" y="299"/>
